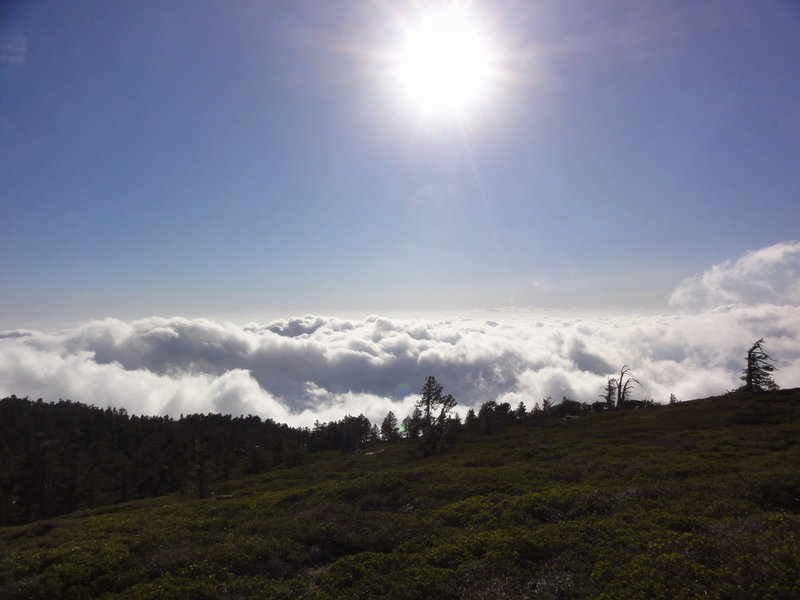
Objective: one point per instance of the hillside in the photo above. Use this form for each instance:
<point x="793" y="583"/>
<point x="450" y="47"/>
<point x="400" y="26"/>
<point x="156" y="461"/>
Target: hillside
<point x="698" y="499"/>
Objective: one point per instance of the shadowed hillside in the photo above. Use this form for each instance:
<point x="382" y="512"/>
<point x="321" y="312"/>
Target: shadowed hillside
<point x="693" y="500"/>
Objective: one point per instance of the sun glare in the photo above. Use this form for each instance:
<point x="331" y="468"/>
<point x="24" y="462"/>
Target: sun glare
<point x="444" y="65"/>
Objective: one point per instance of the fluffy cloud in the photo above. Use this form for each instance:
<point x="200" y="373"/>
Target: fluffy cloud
<point x="769" y="275"/>
<point x="315" y="367"/>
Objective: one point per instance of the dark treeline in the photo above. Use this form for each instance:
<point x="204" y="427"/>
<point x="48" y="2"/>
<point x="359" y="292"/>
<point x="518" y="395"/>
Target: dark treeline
<point x="65" y="456"/>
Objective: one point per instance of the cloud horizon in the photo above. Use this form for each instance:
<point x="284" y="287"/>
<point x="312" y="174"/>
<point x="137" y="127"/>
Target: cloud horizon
<point x="310" y="368"/>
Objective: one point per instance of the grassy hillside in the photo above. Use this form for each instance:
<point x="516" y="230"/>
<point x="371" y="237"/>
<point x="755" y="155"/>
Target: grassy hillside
<point x="693" y="500"/>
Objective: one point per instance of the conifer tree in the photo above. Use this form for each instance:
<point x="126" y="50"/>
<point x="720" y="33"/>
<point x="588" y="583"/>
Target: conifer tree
<point x="471" y="420"/>
<point x="521" y="412"/>
<point x="413" y="424"/>
<point x="435" y="410"/>
<point x="374" y="434"/>
<point x="389" y="431"/>
<point x="757" y="374"/>
<point x="609" y="392"/>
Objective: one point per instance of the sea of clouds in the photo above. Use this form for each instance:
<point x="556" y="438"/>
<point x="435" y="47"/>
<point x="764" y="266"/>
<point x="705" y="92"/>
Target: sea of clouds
<point x="321" y="368"/>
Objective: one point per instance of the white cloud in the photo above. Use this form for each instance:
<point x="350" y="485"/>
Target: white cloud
<point x="768" y="275"/>
<point x="315" y="367"/>
<point x="301" y="370"/>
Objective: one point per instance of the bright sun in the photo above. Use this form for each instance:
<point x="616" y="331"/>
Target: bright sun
<point x="445" y="65"/>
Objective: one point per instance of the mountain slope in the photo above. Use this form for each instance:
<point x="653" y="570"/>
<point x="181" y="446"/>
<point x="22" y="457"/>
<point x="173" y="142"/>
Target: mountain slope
<point x="694" y="500"/>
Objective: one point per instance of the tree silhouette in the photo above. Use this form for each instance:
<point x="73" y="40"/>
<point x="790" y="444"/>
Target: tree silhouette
<point x="609" y="392"/>
<point x="757" y="374"/>
<point x="471" y="420"/>
<point x="625" y="385"/>
<point x="487" y="417"/>
<point x="412" y="424"/>
<point x="521" y="411"/>
<point x="435" y="409"/>
<point x="389" y="431"/>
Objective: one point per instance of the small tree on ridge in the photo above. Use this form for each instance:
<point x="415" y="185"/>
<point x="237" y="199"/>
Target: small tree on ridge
<point x="625" y="385"/>
<point x="435" y="409"/>
<point x="757" y="374"/>
<point x="389" y="431"/>
<point x="609" y="392"/>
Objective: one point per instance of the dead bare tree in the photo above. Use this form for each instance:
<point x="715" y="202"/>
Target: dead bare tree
<point x="625" y="383"/>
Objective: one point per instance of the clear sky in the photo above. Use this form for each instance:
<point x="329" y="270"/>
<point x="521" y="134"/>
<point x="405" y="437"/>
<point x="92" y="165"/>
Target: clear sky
<point x="251" y="160"/>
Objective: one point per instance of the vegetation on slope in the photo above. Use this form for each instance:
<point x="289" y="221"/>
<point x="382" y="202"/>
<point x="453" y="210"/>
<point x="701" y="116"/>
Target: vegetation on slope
<point x="60" y="457"/>
<point x="691" y="500"/>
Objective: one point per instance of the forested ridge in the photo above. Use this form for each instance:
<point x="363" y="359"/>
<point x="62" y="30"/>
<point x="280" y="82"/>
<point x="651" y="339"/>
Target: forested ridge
<point x="60" y="457"/>
<point x="697" y="499"/>
<point x="65" y="456"/>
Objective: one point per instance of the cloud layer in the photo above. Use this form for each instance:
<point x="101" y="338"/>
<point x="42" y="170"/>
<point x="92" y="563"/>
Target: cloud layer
<point x="314" y="367"/>
<point x="322" y="368"/>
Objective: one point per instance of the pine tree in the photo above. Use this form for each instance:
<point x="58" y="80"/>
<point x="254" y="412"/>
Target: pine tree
<point x="389" y="431"/>
<point x="374" y="434"/>
<point x="471" y="420"/>
<point x="435" y="409"/>
<point x="757" y="375"/>
<point x="413" y="424"/>
<point x="609" y="392"/>
<point x="521" y="412"/>
<point x="487" y="417"/>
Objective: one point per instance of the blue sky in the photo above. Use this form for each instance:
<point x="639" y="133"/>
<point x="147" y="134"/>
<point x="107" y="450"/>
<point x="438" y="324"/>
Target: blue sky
<point x="248" y="160"/>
